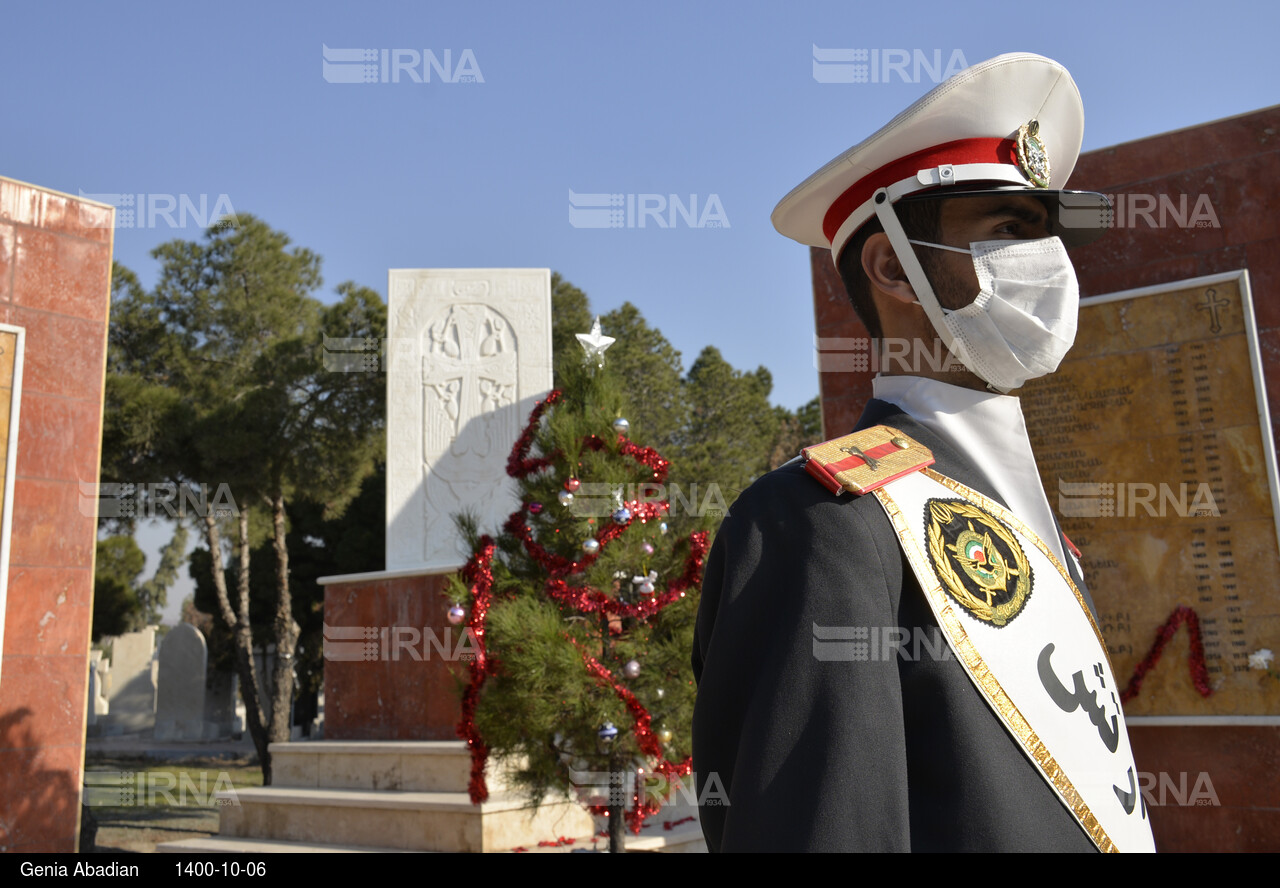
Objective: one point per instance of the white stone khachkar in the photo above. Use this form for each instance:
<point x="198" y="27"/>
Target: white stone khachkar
<point x="468" y="355"/>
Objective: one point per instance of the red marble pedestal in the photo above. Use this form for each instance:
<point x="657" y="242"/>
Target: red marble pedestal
<point x="404" y="688"/>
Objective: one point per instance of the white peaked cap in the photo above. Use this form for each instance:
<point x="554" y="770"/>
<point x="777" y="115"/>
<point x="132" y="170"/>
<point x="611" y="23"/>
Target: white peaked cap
<point x="964" y="136"/>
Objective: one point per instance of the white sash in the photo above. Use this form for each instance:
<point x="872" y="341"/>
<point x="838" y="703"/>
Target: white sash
<point x="1022" y="631"/>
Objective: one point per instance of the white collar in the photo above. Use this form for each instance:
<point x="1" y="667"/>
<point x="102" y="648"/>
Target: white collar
<point x="990" y="430"/>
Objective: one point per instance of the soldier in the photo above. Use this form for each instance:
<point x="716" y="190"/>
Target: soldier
<point x="895" y="649"/>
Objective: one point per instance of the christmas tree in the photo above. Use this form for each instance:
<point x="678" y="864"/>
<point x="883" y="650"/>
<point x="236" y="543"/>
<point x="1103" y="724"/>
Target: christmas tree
<point x="583" y="611"/>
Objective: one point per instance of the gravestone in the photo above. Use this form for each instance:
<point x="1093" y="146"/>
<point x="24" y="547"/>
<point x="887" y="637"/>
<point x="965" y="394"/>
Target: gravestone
<point x="133" y="691"/>
<point x="468" y="355"/>
<point x="98" y="705"/>
<point x="180" y="695"/>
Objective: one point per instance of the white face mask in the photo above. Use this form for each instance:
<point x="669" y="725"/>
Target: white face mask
<point x="1023" y="321"/>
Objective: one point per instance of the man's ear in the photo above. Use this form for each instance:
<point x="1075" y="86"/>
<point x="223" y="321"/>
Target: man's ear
<point x="883" y="269"/>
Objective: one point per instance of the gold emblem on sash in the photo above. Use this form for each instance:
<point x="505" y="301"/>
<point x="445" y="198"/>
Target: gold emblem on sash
<point x="993" y="579"/>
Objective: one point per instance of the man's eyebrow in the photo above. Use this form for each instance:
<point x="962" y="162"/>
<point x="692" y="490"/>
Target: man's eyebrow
<point x="1019" y="211"/>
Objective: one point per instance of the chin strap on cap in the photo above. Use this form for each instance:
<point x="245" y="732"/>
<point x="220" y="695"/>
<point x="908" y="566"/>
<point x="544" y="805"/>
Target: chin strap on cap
<point x="911" y="265"/>
<point x="915" y="274"/>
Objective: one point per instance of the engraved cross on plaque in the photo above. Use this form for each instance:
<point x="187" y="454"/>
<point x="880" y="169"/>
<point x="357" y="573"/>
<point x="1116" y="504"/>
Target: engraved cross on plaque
<point x="470" y="368"/>
<point x="1211" y="304"/>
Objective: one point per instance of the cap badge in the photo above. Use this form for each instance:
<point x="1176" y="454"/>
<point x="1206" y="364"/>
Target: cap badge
<point x="1033" y="156"/>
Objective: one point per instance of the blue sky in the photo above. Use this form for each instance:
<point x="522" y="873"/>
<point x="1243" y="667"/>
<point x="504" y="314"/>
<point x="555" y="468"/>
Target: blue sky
<point x="717" y="100"/>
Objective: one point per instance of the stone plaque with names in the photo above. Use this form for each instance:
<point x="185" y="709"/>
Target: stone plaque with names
<point x="1154" y="444"/>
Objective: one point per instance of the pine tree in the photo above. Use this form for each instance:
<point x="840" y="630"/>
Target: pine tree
<point x="583" y="611"/>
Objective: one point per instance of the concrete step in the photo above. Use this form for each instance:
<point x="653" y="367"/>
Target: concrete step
<point x="410" y="820"/>
<point x="408" y="766"/>
<point x="241" y="845"/>
<point x="685" y="838"/>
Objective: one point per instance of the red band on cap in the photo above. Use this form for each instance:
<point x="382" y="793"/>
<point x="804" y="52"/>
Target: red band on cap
<point x="955" y="153"/>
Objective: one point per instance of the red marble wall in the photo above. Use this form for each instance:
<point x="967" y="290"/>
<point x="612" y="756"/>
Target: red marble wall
<point x="395" y="696"/>
<point x="55" y="274"/>
<point x="842" y="391"/>
<point x="1236" y="163"/>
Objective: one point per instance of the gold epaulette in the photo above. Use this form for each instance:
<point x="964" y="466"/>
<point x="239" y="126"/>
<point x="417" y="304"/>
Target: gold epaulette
<point x="865" y="460"/>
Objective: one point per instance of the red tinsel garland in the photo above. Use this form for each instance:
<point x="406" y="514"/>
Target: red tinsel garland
<point x="1199" y="672"/>
<point x="587" y="599"/>
<point x="519" y="464"/>
<point x="646" y="739"/>
<point x="478" y="575"/>
<point x="558" y="565"/>
<point x="646" y="456"/>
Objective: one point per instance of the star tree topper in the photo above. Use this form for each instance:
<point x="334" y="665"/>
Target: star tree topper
<point x="595" y="342"/>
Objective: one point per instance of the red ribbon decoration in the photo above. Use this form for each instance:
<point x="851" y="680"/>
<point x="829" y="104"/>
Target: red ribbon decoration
<point x="1199" y="672"/>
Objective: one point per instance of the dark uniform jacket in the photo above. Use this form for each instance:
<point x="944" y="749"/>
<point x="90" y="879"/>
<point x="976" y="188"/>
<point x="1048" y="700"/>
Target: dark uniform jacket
<point x="887" y="754"/>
